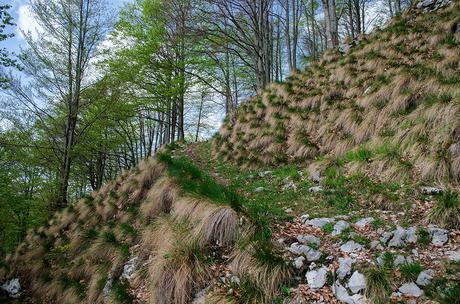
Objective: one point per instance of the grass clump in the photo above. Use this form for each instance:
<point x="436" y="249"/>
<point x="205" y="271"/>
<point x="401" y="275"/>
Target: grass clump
<point x="120" y="293"/>
<point x="446" y="211"/>
<point x="328" y="228"/>
<point x="109" y="237"/>
<point x="378" y="285"/>
<point x="191" y="179"/>
<point x="423" y="237"/>
<point x="410" y="271"/>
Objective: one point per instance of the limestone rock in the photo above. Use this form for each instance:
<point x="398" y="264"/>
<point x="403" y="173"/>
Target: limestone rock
<point x="431" y="190"/>
<point x="425" y="277"/>
<point x="399" y="260"/>
<point x="317" y="278"/>
<point x="364" y="222"/>
<point x="319" y="222"/>
<point x="298" y="262"/>
<point x="410" y="289"/>
<point x="341" y="293"/>
<point x="339" y="227"/>
<point x="129" y="268"/>
<point x="438" y="236"/>
<point x="351" y="246"/>
<point x="12" y="287"/>
<point x="315" y="189"/>
<point x="289" y="185"/>
<point x="432" y="5"/>
<point x="310" y="253"/>
<point x="357" y="282"/>
<point x="403" y="236"/>
<point x="344" y="267"/>
<point x="453" y="256"/>
<point x="308" y="239"/>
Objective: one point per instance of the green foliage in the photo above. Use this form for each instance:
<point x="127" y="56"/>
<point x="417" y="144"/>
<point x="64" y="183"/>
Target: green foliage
<point x="410" y="271"/>
<point x="120" y="293"/>
<point x="192" y="180"/>
<point x="248" y="291"/>
<point x="328" y="228"/>
<point x="109" y="237"/>
<point x="423" y="237"/>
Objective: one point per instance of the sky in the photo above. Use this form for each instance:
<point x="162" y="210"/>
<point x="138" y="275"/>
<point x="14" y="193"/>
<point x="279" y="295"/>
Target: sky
<point x="24" y="21"/>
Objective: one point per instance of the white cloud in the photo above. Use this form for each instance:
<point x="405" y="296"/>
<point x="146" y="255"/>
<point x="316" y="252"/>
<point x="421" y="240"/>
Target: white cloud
<point x="26" y="21"/>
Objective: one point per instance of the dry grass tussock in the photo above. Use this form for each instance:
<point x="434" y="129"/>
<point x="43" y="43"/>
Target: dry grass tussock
<point x="178" y="267"/>
<point x="397" y="83"/>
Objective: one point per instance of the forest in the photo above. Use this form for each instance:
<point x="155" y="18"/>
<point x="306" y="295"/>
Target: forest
<point x="96" y="87"/>
<point x="230" y="151"/>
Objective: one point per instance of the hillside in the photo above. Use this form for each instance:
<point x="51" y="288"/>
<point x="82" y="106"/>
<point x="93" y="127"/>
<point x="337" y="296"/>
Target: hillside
<point x="339" y="185"/>
<point x="388" y="106"/>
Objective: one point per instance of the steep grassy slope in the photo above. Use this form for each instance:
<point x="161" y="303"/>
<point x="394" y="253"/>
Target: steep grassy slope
<point x="185" y="227"/>
<point x="390" y="106"/>
<point x="142" y="214"/>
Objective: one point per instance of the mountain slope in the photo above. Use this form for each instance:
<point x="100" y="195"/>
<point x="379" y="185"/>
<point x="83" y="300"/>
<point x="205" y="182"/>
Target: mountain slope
<point x="392" y="100"/>
<point x="340" y="150"/>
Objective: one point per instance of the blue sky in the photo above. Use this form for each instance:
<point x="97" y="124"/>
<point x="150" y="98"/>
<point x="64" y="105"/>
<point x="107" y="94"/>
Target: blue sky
<point x="26" y="22"/>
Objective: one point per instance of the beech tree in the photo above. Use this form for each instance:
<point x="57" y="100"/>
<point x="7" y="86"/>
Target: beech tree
<point x="57" y="58"/>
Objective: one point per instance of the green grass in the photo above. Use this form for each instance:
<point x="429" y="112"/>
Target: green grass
<point x="423" y="237"/>
<point x="410" y="271"/>
<point x="192" y="180"/>
<point x="120" y="293"/>
<point x="446" y="210"/>
<point x="109" y="237"/>
<point x="378" y="285"/>
<point x="328" y="228"/>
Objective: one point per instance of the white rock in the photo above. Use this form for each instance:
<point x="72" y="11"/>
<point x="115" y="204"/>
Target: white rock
<point x="12" y="287"/>
<point x="344" y="267"/>
<point x="375" y="245"/>
<point x="364" y="222"/>
<point x="298" y="262"/>
<point x="358" y="299"/>
<point x="315" y="189"/>
<point x="399" y="260"/>
<point x="308" y="239"/>
<point x="425" y="277"/>
<point x="304" y="218"/>
<point x="411" y="235"/>
<point x="288" y="210"/>
<point x="317" y="278"/>
<point x="411" y="289"/>
<point x="438" y="236"/>
<point x="339" y="227"/>
<point x="235" y="280"/>
<point x="398" y="237"/>
<point x="129" y="268"/>
<point x="265" y="173"/>
<point x="315" y="176"/>
<point x="289" y="185"/>
<point x="297" y="248"/>
<point x="310" y="253"/>
<point x="351" y="246"/>
<point x="453" y="256"/>
<point x="385" y="237"/>
<point x="357" y="282"/>
<point x="341" y="293"/>
<point x="319" y="222"/>
<point x="431" y="190"/>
